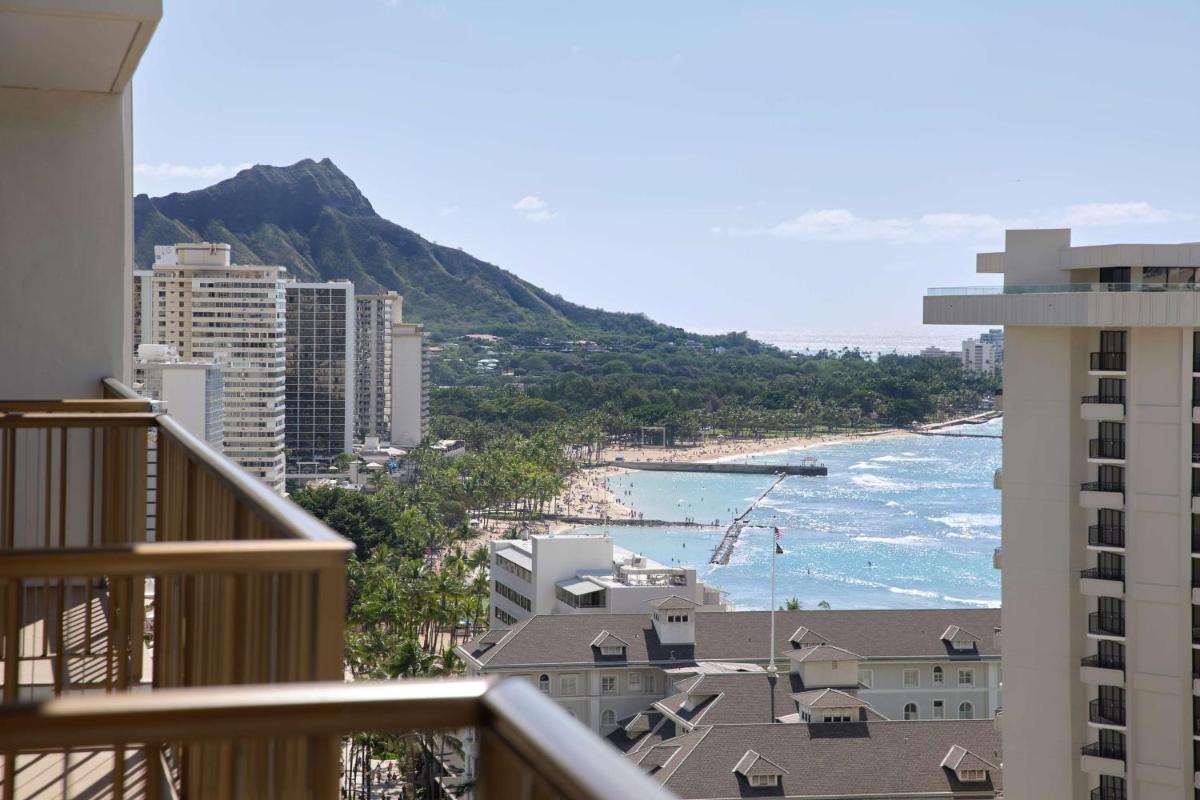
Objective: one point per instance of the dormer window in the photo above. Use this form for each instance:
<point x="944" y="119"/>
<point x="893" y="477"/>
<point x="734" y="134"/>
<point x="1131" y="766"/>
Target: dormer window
<point x="972" y="775"/>
<point x="612" y="650"/>
<point x="759" y="770"/>
<point x="967" y="766"/>
<point x="764" y="780"/>
<point x="960" y="640"/>
<point x="611" y="645"/>
<point x="678" y="617"/>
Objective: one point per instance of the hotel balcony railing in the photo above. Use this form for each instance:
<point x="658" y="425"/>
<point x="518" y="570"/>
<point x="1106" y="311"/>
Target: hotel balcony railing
<point x="1103" y="662"/>
<point x="1103" y="573"/>
<point x="1106" y="712"/>
<point x="1106" y="448"/>
<point x="1107" y="399"/>
<point x="1104" y="750"/>
<point x="1103" y="486"/>
<point x="260" y="737"/>
<point x="1196" y="727"/>
<point x="1196" y="541"/>
<point x="1106" y="535"/>
<point x="1107" y="362"/>
<point x="1195" y="634"/>
<point x="143" y="576"/>
<point x="1196" y="483"/>
<point x="1106" y="622"/>
<point x="1108" y="793"/>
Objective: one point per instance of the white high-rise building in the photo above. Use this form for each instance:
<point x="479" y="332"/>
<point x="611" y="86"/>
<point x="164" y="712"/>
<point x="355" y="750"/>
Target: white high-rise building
<point x="234" y="315"/>
<point x="373" y="375"/>
<point x="410" y="382"/>
<point x="982" y="356"/>
<point x="1101" y="502"/>
<point x="193" y="391"/>
<point x="320" y="373"/>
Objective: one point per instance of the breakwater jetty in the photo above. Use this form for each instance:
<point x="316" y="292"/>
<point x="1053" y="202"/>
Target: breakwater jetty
<point x="724" y="548"/>
<point x="935" y="429"/>
<point x="723" y="467"/>
<point x="625" y="522"/>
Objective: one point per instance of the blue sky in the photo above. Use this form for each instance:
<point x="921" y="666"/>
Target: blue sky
<point x="717" y="165"/>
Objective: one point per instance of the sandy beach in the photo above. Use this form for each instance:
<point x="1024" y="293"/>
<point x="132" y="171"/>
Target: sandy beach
<point x="588" y="493"/>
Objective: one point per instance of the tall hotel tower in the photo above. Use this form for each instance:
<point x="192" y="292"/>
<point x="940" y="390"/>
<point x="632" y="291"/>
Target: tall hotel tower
<point x="1101" y="494"/>
<point x="320" y="373"/>
<point x="233" y="315"/>
<point x="373" y="376"/>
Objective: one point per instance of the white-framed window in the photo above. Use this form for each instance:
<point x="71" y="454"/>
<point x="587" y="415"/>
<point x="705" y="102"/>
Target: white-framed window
<point x="764" y="780"/>
<point x="544" y="684"/>
<point x="966" y="677"/>
<point x="608" y="684"/>
<point x="608" y="717"/>
<point x="614" y="650"/>
<point x="972" y="775"/>
<point x="912" y="679"/>
<point x="910" y="711"/>
<point x="939" y="676"/>
<point x="635" y="681"/>
<point x="939" y="709"/>
<point x="569" y="684"/>
<point x="836" y="715"/>
<point x="966" y="710"/>
<point x="866" y="677"/>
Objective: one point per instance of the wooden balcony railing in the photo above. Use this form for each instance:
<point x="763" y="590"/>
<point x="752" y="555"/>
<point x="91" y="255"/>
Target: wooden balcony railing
<point x="133" y="556"/>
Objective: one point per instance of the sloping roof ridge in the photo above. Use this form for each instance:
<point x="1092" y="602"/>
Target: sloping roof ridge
<point x="491" y="652"/>
<point x="604" y="635"/>
<point x="698" y="734"/>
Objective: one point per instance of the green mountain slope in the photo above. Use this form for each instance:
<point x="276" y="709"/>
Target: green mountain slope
<point x="312" y="219"/>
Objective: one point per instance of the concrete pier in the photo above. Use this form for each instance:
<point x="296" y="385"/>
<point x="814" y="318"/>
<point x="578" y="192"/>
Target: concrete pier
<point x="723" y="467"/>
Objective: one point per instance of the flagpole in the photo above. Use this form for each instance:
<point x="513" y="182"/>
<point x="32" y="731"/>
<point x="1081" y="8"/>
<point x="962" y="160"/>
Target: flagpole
<point x="774" y="549"/>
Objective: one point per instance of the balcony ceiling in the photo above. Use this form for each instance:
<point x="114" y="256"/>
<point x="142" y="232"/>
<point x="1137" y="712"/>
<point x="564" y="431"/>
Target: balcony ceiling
<point x="74" y="45"/>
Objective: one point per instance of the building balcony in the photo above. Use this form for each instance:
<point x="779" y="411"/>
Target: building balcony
<point x="1195" y="411"/>
<point x="1107" y="624"/>
<point x="1103" y="759"/>
<point x="1084" y="305"/>
<point x="1108" y="793"/>
<point x="1195" y="637"/>
<point x="997" y="558"/>
<point x="1196" y="543"/>
<point x="1106" y="363"/>
<point x="1109" y="537"/>
<point x="156" y="593"/>
<point x="1106" y="713"/>
<point x="1102" y="494"/>
<point x="1109" y="451"/>
<point x="1102" y="408"/>
<point x="1102" y="582"/>
<point x="1097" y="670"/>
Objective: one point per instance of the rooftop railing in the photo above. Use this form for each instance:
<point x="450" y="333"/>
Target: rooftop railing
<point x="1061" y="288"/>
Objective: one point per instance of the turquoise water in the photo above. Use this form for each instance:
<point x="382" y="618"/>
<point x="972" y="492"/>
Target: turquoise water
<point x="900" y="522"/>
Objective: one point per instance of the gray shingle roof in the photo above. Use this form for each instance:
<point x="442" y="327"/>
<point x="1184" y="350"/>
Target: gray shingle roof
<point x="740" y="698"/>
<point x="823" y="760"/>
<point x="738" y="635"/>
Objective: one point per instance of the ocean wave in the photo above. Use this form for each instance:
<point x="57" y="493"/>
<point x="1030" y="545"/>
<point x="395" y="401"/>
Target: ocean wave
<point x="865" y="465"/>
<point x="901" y="540"/>
<point x="875" y="482"/>
<point x="913" y="592"/>
<point x="968" y="520"/>
<point x="980" y="603"/>
<point x="904" y="457"/>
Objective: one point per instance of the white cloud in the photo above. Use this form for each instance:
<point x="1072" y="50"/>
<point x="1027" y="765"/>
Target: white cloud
<point x="448" y="211"/>
<point x="842" y="225"/>
<point x="168" y="171"/>
<point x="533" y="209"/>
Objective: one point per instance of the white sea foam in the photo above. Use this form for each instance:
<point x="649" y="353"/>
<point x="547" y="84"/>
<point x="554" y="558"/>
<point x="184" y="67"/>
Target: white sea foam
<point x="913" y="592"/>
<point x="903" y="457"/>
<point x="980" y="603"/>
<point x="875" y="482"/>
<point x="901" y="540"/>
<point x="968" y="520"/>
<point x="865" y="465"/>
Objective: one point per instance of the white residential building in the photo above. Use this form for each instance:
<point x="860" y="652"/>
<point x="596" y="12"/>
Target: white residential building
<point x="1100" y="499"/>
<point x="320" y="373"/>
<point x="583" y="573"/>
<point x="212" y="310"/>
<point x="192" y="391"/>
<point x="984" y="355"/>
<point x="410" y="382"/>
<point x="374" y="315"/>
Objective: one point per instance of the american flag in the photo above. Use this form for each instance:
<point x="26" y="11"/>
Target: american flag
<point x="778" y="539"/>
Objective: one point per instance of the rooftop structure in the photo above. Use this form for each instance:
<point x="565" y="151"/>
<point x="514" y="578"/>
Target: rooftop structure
<point x="192" y="391"/>
<point x="1101" y="480"/>
<point x="583" y="573"/>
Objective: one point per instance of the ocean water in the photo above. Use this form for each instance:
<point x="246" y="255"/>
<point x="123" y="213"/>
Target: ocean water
<point x="900" y="522"/>
<point x="905" y="342"/>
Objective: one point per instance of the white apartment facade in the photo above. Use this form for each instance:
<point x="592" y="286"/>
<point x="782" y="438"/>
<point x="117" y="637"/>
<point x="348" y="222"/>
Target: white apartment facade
<point x="1100" y="503"/>
<point x="210" y="309"/>
<point x="984" y="355"/>
<point x="320" y="384"/>
<point x="374" y="314"/>
<point x="582" y="574"/>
